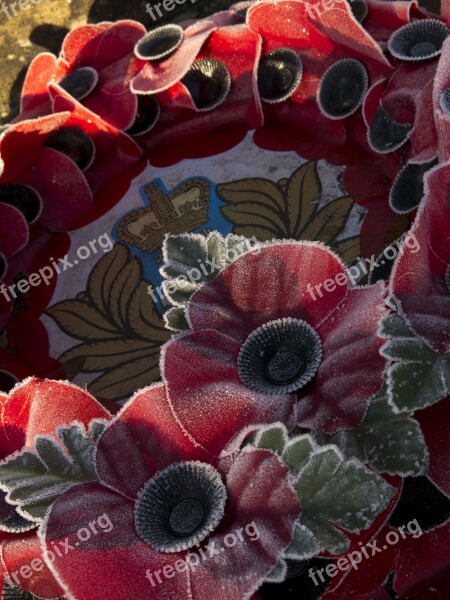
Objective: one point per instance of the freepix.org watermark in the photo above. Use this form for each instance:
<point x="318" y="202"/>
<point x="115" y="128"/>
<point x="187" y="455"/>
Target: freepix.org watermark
<point x="353" y="559"/>
<point x="157" y="10"/>
<point x="201" y="555"/>
<point x="363" y="267"/>
<point x="47" y="273"/>
<point x="12" y="9"/>
<point x="102" y="524"/>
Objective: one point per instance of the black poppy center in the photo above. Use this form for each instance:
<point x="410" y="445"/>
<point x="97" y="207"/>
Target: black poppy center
<point x="385" y="134"/>
<point x="418" y="40"/>
<point x="24" y="198"/>
<point x="73" y="143"/>
<point x="180" y="506"/>
<point x="283" y="79"/>
<point x="7" y="381"/>
<point x="208" y="82"/>
<point x="342" y="88"/>
<point x="279" y="73"/>
<point x="422" y="49"/>
<point x="447" y="277"/>
<point x="349" y="92"/>
<point x="160" y="43"/>
<point x="209" y="88"/>
<point x="80" y="83"/>
<point x="279" y="357"/>
<point x="284" y="367"/>
<point x="186" y="517"/>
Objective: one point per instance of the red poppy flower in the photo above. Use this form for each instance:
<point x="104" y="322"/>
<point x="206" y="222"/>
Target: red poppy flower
<point x="166" y="503"/>
<point x="35" y="407"/>
<point x="95" y="66"/>
<point x="267" y="332"/>
<point x="161" y="74"/>
<point x="420" y="280"/>
<point x="187" y="109"/>
<point x="322" y="38"/>
<point x="59" y="148"/>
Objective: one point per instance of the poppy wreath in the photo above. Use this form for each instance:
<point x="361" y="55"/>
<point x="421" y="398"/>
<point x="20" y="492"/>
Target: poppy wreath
<point x="296" y="442"/>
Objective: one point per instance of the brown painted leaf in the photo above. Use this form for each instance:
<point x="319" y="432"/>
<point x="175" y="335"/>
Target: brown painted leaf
<point x="100" y="356"/>
<point x="249" y="231"/>
<point x="82" y="321"/>
<point x="126" y="281"/>
<point x="303" y="190"/>
<point x="259" y="190"/>
<point x="329" y="221"/>
<point x="250" y="213"/>
<point x="125" y="380"/>
<point x="348" y="249"/>
<point x="120" y="328"/>
<point x="143" y="318"/>
<point x="103" y="275"/>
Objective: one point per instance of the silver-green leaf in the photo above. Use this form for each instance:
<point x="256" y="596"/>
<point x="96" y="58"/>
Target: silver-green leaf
<point x="34" y="479"/>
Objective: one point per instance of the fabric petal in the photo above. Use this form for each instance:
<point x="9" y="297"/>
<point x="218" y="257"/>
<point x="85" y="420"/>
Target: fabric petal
<point x="342" y="389"/>
<point x="434" y="422"/>
<point x="41" y="71"/>
<point x="38" y="407"/>
<point x="14" y="232"/>
<point x="80" y="45"/>
<point x="207" y="396"/>
<point x="143" y="439"/>
<point x="25" y="552"/>
<point x="30" y="134"/>
<point x="115" y="151"/>
<point x="286" y="272"/>
<point x="422" y="558"/>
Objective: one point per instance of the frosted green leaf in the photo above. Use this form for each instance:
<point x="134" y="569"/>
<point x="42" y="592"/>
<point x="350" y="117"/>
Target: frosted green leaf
<point x="96" y="428"/>
<point x="297" y="453"/>
<point x="175" y="319"/>
<point x="304" y="545"/>
<point x="278" y="573"/>
<point x="335" y="492"/>
<point x="387" y="441"/>
<point x="273" y="438"/>
<point x="418" y="377"/>
<point x="34" y="479"/>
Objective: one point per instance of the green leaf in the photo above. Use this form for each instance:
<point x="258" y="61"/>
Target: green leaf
<point x="417" y="376"/>
<point x="278" y="573"/>
<point x="34" y="479"/>
<point x="387" y="441"/>
<point x="273" y="437"/>
<point x="335" y="492"/>
<point x="298" y="452"/>
<point x="183" y="252"/>
<point x="304" y="545"/>
<point x="96" y="428"/>
<point x="175" y="319"/>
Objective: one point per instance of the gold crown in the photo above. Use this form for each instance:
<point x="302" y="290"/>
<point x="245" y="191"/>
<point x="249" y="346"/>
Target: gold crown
<point x="181" y="211"/>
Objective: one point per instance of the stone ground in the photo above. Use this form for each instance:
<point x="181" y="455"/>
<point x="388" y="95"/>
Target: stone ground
<point x="42" y="27"/>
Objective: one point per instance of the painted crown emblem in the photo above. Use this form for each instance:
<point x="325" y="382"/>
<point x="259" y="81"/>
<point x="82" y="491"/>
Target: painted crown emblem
<point x="182" y="210"/>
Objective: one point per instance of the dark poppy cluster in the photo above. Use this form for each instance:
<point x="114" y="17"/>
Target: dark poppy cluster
<point x="192" y="460"/>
